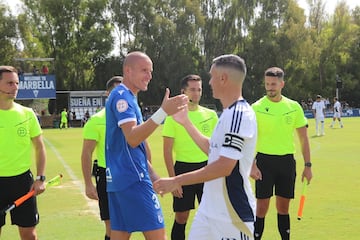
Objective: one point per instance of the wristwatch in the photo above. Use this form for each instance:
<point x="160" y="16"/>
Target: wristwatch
<point x="41" y="178"/>
<point x="308" y="164"/>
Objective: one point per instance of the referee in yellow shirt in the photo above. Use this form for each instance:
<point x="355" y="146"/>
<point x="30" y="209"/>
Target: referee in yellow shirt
<point x="188" y="155"/>
<point x="20" y="133"/>
<point x="277" y="117"/>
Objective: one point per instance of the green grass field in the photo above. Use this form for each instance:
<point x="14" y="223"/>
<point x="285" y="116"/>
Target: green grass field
<point x="331" y="209"/>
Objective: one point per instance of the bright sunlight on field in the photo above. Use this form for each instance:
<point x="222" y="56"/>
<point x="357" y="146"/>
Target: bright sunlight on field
<point x="331" y="208"/>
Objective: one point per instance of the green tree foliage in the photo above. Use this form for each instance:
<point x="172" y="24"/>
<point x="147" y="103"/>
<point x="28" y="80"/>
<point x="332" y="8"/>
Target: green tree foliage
<point x="335" y="42"/>
<point x="105" y="70"/>
<point x="168" y="31"/>
<point x="8" y="36"/>
<point x="294" y="45"/>
<point x="262" y="50"/>
<point x="78" y="34"/>
<point x="350" y="69"/>
<point x="183" y="36"/>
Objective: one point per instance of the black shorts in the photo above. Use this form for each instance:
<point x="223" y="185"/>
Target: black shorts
<point x="100" y="178"/>
<point x="11" y="188"/>
<point x="277" y="171"/>
<point x="187" y="202"/>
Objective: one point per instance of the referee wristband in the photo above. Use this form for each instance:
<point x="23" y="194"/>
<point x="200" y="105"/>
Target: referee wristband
<point x="159" y="116"/>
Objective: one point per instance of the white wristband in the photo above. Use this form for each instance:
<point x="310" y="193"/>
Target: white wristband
<point x="159" y="116"/>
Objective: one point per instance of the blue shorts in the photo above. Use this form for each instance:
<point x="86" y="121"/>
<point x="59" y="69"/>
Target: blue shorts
<point x="135" y="209"/>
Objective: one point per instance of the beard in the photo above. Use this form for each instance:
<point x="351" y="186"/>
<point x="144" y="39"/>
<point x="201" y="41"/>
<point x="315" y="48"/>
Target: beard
<point x="271" y="94"/>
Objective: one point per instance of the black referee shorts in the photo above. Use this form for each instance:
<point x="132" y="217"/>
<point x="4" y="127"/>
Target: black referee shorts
<point x="279" y="172"/>
<point x="25" y="215"/>
<point x="187" y="202"/>
<point x="102" y="194"/>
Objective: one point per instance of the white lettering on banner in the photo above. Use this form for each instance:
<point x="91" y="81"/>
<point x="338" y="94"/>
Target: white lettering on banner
<point x="80" y="102"/>
<point x="96" y="101"/>
<point x="85" y="102"/>
<point x="36" y="85"/>
<point x="35" y="78"/>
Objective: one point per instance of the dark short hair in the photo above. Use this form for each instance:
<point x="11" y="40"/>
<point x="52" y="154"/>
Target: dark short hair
<point x="115" y="79"/>
<point x="7" y="69"/>
<point x="230" y="60"/>
<point x="190" y="77"/>
<point x="318" y="96"/>
<point x="274" y="72"/>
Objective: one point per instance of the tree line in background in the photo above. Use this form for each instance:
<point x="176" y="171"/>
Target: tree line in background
<point x="183" y="36"/>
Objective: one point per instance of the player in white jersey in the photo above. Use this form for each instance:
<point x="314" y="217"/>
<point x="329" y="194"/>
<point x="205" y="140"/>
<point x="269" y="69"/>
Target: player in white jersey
<point x="318" y="109"/>
<point x="337" y="113"/>
<point x="227" y="208"/>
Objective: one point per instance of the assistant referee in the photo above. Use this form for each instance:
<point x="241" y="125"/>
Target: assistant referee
<point x="274" y="166"/>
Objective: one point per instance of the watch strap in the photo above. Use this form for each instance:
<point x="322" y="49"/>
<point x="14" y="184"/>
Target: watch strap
<point x="40" y="178"/>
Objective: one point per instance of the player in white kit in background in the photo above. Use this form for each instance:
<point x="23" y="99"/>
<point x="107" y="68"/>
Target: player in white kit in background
<point x="337" y="113"/>
<point x="318" y="109"/>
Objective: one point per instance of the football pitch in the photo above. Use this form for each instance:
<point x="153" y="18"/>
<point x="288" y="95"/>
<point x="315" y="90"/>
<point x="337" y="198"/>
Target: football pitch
<point x="331" y="211"/>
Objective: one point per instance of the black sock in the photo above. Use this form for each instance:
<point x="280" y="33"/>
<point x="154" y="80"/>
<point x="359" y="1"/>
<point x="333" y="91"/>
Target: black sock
<point x="107" y="237"/>
<point x="259" y="228"/>
<point x="284" y="226"/>
<point x="178" y="231"/>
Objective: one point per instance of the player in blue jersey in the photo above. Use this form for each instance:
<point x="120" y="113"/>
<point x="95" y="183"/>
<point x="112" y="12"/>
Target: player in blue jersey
<point x="133" y="204"/>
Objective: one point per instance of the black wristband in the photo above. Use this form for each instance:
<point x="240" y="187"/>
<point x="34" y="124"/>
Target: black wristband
<point x="308" y="164"/>
<point x="40" y="178"/>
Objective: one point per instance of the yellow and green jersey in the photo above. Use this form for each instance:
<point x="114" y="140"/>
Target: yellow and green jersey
<point x="63" y="116"/>
<point x="185" y="149"/>
<point x="276" y="123"/>
<point x="18" y="126"/>
<point x="94" y="129"/>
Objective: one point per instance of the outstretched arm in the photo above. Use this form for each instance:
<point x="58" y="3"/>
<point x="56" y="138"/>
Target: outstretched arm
<point x="201" y="140"/>
<point x="220" y="168"/>
<point x="135" y="134"/>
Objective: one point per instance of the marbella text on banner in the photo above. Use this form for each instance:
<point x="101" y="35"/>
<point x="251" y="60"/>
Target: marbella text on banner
<point x="32" y="87"/>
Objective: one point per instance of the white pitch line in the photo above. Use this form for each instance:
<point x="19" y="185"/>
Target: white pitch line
<point x="91" y="204"/>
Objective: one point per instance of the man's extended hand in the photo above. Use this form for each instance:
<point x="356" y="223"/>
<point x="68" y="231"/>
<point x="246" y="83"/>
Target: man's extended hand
<point x="172" y="105"/>
<point x="166" y="185"/>
<point x="181" y="116"/>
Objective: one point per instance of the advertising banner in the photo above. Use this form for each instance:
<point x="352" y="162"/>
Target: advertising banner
<point x="37" y="86"/>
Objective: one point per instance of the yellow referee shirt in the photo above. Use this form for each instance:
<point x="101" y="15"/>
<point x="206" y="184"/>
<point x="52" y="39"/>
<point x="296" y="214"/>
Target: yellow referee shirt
<point x="276" y="123"/>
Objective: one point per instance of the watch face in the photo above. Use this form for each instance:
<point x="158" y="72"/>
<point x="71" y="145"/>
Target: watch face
<point x="308" y="164"/>
<point x="41" y="178"/>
